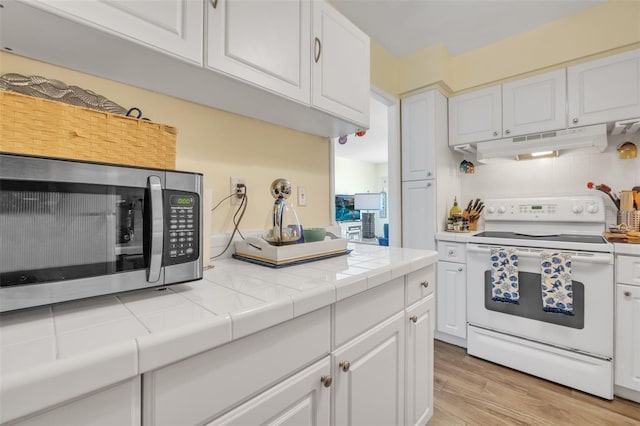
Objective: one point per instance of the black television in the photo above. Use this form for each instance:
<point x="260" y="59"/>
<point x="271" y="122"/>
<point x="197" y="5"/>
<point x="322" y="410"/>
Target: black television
<point x="345" y="208"/>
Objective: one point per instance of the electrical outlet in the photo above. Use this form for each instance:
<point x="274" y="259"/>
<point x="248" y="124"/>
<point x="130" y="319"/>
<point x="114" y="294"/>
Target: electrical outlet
<point x="302" y="196"/>
<point x="233" y="187"/>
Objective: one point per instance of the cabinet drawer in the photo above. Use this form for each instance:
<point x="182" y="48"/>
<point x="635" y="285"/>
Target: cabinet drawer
<point x="359" y="313"/>
<point x="628" y="270"/>
<point x="117" y="405"/>
<point x="452" y="252"/>
<point x="421" y="283"/>
<point x="202" y="387"/>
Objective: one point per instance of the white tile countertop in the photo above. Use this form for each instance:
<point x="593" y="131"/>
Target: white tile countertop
<point x="52" y="354"/>
<point x="627" y="248"/>
<point x="460" y="237"/>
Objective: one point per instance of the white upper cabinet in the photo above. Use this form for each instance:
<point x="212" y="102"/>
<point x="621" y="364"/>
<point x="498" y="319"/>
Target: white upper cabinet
<point x="530" y="105"/>
<point x="419" y="137"/>
<point x="475" y="116"/>
<point x="174" y="26"/>
<point x="534" y="104"/>
<point x="266" y="43"/>
<point x="604" y="90"/>
<point x="340" y="72"/>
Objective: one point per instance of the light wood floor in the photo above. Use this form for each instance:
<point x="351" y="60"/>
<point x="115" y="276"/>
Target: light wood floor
<point x="472" y="391"/>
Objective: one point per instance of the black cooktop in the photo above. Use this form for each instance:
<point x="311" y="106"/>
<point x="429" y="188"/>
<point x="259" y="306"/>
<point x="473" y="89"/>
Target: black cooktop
<point x="566" y="238"/>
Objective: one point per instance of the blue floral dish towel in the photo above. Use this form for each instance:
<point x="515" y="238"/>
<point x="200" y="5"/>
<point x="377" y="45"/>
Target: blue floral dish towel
<point x="504" y="275"/>
<point x="557" y="288"/>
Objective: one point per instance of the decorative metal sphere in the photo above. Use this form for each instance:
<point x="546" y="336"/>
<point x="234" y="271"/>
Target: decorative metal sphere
<point x="281" y="189"/>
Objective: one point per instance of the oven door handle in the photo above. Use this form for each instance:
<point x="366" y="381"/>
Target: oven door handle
<point x="601" y="258"/>
<point x="157" y="229"/>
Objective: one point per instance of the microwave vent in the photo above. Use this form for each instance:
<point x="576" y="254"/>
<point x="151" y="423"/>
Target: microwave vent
<point x="535" y="137"/>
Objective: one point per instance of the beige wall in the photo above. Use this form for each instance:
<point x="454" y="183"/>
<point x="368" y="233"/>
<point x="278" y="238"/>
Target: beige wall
<point x="598" y="31"/>
<point x="219" y="145"/>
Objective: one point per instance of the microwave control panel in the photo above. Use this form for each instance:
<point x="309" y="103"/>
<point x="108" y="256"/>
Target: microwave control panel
<point x="181" y="228"/>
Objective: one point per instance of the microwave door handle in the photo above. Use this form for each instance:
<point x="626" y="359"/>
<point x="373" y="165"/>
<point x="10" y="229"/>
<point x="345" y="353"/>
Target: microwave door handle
<point x="157" y="229"/>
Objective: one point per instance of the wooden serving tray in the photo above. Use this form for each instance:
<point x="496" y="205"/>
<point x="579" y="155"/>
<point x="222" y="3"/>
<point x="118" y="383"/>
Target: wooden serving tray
<point x="621" y="238"/>
<point x="260" y="250"/>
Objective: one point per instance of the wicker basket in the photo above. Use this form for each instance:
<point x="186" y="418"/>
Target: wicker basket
<point x="50" y="128"/>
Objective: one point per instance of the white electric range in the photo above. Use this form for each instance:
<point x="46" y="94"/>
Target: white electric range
<point x="574" y="348"/>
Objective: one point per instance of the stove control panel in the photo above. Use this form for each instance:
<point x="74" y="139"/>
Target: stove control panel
<point x="551" y="209"/>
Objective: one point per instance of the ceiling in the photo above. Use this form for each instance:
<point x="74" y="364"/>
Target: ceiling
<point x="405" y="26"/>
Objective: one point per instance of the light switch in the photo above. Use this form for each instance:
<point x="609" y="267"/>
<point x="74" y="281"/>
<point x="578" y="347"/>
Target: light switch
<point x="302" y="196"/>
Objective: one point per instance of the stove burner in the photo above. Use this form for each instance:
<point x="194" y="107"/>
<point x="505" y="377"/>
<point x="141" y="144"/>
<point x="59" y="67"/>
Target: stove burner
<point x="566" y="238"/>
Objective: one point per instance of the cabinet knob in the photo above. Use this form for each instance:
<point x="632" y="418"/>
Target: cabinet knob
<point x="507" y="132"/>
<point x="451" y="252"/>
<point x="495" y="133"/>
<point x="459" y="268"/>
<point x="627" y="293"/>
<point x="326" y="381"/>
<point x="428" y="173"/>
<point x="424" y="284"/>
<point x="575" y="120"/>
<point x="413" y="319"/>
<point x="214" y="3"/>
<point x="345" y="365"/>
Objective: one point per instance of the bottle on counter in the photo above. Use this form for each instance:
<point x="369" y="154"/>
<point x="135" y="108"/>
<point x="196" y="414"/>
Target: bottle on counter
<point x="455" y="215"/>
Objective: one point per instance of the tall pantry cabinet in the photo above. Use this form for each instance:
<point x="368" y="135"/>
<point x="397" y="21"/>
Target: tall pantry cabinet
<point x="429" y="175"/>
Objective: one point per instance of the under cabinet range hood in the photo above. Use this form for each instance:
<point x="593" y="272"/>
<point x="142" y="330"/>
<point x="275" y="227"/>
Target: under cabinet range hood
<point x="559" y="140"/>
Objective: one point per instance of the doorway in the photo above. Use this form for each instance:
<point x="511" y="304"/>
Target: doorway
<point x="370" y="164"/>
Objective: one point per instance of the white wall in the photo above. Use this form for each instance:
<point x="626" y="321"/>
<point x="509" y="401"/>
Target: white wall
<point x="356" y="176"/>
<point x="566" y="174"/>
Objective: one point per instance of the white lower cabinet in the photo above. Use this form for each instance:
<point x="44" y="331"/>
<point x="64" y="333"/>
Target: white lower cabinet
<point x="375" y="367"/>
<point x="203" y="387"/>
<point x="452" y="299"/>
<point x="420" y="325"/>
<point x="369" y="376"/>
<point x="627" y="349"/>
<point x="116" y="405"/>
<point x="451" y="324"/>
<point x="303" y="399"/>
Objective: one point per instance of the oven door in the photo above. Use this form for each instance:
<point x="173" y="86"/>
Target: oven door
<point x="589" y="330"/>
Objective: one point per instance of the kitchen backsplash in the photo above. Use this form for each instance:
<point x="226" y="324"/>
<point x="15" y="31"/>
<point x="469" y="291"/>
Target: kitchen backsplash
<point x="566" y="174"/>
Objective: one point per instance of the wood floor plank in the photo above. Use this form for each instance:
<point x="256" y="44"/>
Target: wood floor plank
<point x="470" y="391"/>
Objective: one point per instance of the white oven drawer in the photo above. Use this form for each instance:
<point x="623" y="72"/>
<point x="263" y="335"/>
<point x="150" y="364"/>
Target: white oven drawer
<point x="628" y="270"/>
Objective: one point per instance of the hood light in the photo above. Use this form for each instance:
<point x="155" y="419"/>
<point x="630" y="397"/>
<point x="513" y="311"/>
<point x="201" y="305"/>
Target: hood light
<point x="541" y="154"/>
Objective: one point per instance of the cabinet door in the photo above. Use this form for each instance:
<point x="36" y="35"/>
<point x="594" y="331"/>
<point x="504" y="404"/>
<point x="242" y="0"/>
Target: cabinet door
<point x="627" y="355"/>
<point x="535" y="104"/>
<point x="369" y="376"/>
<point x="303" y="399"/>
<point x="475" y="116"/>
<point x="604" y="90"/>
<point x="266" y="43"/>
<point x="340" y="73"/>
<point x="418" y="214"/>
<point x="418" y="137"/>
<point x="452" y="299"/>
<point x="419" y="397"/>
<point x="174" y="26"/>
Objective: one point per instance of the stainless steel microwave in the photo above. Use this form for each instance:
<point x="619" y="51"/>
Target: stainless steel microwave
<point x="71" y="230"/>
